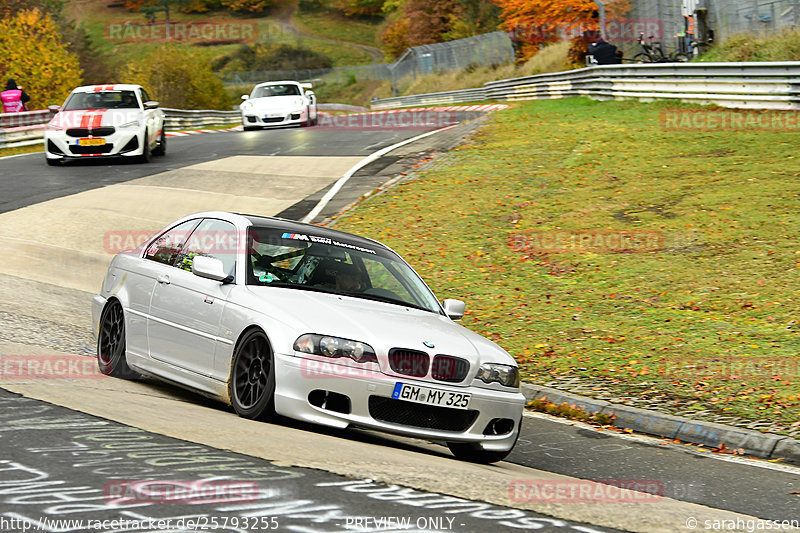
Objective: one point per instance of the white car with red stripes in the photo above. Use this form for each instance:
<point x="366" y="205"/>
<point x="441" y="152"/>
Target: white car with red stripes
<point x="118" y="120"/>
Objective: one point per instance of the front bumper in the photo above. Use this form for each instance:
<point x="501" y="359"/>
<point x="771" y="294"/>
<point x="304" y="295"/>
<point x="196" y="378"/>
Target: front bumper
<point x="123" y="142"/>
<point x="316" y="394"/>
<point x="251" y="119"/>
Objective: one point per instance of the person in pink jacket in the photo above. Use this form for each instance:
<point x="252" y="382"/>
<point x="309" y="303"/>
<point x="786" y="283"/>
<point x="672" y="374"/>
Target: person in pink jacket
<point x="13" y="98"/>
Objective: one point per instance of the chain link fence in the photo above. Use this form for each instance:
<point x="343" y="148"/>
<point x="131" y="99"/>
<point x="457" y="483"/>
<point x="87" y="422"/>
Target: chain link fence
<point x="480" y="50"/>
<point x="725" y="17"/>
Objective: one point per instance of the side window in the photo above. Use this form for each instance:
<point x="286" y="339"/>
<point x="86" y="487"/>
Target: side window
<point x="213" y="238"/>
<point x="144" y="96"/>
<point x="165" y="249"/>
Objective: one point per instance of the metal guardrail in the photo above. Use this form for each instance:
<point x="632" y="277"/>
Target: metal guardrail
<point x="26" y="118"/>
<point x="183" y="118"/>
<point x="27" y="128"/>
<point x="774" y="85"/>
<point x="446" y="97"/>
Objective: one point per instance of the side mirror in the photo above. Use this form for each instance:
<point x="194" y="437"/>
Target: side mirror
<point x="208" y="267"/>
<point x="245" y="97"/>
<point x="151" y="105"/>
<point x="54" y="109"/>
<point x="454" y="309"/>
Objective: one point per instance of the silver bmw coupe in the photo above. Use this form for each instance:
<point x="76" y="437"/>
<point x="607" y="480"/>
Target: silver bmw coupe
<point x="277" y="317"/>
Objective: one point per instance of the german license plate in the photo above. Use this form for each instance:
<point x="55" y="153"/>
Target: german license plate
<point x="274" y="115"/>
<point x="428" y="396"/>
<point x="91" y="142"/>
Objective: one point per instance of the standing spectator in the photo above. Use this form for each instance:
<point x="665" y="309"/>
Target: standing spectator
<point x="13" y="98"/>
<point x="604" y="53"/>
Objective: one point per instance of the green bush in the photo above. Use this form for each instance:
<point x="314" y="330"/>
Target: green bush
<point x="263" y="56"/>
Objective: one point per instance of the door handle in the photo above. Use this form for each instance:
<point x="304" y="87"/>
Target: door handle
<point x="163" y="279"/>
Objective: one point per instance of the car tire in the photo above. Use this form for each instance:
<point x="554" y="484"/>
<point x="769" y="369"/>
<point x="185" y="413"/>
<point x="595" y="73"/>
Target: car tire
<point x="161" y="149"/>
<point x="252" y="380"/>
<point x="250" y="128"/>
<point x="52" y="162"/>
<point x="473" y="453"/>
<point x="111" y="343"/>
<point x="145" y="157"/>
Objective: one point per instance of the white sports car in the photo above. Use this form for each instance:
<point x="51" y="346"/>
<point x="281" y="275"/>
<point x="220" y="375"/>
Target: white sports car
<point x="105" y="121"/>
<point x="279" y="103"/>
<point x="273" y="316"/>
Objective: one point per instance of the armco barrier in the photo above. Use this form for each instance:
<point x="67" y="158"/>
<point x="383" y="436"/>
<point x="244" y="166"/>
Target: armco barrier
<point x="27" y="128"/>
<point x="24" y="129"/>
<point x="447" y="97"/>
<point x="774" y="85"/>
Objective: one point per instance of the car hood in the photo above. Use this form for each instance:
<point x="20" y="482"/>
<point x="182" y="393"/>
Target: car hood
<point x="95" y="118"/>
<point x="381" y="325"/>
<point x="276" y="103"/>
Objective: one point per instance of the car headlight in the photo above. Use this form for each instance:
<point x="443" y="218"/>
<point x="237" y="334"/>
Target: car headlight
<point x="298" y="102"/>
<point x="328" y="346"/>
<point x="247" y="106"/>
<point x="132" y="124"/>
<point x="506" y="375"/>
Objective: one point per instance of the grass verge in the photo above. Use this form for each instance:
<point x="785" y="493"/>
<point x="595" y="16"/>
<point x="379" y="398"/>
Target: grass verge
<point x="780" y="46"/>
<point x="4" y="152"/>
<point x="705" y="316"/>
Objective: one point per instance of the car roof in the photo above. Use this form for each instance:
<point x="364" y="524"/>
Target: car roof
<point x="285" y="225"/>
<point x="106" y="87"/>
<point x="278" y="83"/>
<point x="319" y="231"/>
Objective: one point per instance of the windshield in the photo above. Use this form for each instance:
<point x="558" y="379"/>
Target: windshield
<point x="309" y="262"/>
<point x="101" y="100"/>
<point x="276" y="90"/>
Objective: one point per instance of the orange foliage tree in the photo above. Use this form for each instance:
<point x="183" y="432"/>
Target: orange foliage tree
<point x="32" y="52"/>
<point x="532" y="23"/>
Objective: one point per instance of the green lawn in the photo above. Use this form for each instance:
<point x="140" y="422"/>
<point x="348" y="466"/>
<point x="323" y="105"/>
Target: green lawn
<point x="719" y="286"/>
<point x="122" y="53"/>
<point x="336" y="26"/>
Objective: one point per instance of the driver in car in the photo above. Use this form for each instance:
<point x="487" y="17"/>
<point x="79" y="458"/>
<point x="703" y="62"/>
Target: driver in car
<point x="348" y="278"/>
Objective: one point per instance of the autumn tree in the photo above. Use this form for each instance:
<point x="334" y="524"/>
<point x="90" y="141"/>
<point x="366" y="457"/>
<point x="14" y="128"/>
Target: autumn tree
<point x="532" y="23"/>
<point x="418" y="22"/>
<point x="474" y="17"/>
<point x="32" y="52"/>
<point x="178" y="77"/>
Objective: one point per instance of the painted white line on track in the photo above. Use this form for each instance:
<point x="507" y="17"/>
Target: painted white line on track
<point x="358" y="166"/>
